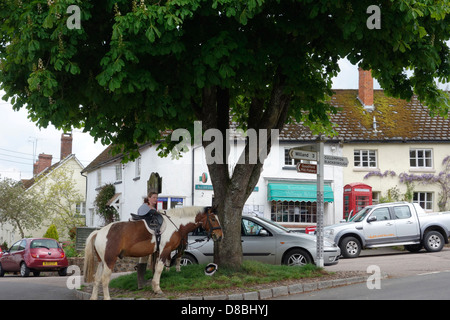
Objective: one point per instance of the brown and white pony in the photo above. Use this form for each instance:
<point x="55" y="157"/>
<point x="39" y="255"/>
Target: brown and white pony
<point x="133" y="239"/>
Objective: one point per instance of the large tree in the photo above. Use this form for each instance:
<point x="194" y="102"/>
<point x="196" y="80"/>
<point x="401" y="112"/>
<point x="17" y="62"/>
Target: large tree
<point x="20" y="208"/>
<point x="134" y="69"/>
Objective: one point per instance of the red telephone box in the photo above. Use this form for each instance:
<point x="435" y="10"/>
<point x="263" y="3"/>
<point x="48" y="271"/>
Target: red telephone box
<point x="356" y="197"/>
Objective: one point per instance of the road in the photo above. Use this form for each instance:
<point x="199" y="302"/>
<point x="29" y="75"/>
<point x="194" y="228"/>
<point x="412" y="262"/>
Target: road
<point x="411" y="276"/>
<point x="14" y="287"/>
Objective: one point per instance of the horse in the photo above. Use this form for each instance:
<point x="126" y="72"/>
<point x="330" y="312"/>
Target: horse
<point x="134" y="239"/>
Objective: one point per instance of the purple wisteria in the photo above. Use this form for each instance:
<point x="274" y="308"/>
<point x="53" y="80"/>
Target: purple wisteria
<point x="442" y="179"/>
<point x="379" y="174"/>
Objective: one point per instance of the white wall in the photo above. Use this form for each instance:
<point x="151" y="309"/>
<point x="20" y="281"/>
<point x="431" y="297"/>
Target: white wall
<point x="178" y="180"/>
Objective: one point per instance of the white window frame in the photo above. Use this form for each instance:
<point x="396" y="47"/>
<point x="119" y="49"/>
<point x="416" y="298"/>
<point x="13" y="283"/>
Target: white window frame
<point x="368" y="163"/>
<point x="425" y="198"/>
<point x="138" y="168"/>
<point x="99" y="178"/>
<point x="421" y="158"/>
<point x="118" y="169"/>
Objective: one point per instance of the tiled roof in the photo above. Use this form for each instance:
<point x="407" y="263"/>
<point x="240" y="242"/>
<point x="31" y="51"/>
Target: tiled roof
<point x="27" y="183"/>
<point x="392" y="120"/>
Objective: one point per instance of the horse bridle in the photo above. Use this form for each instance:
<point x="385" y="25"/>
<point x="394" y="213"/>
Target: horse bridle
<point x="211" y="228"/>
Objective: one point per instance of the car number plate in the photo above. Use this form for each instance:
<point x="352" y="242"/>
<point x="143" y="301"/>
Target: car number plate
<point x="49" y="263"/>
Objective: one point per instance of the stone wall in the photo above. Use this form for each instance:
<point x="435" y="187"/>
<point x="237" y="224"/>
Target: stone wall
<point x="122" y="265"/>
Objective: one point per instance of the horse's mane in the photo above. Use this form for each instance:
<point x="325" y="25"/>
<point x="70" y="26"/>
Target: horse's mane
<point x="184" y="212"/>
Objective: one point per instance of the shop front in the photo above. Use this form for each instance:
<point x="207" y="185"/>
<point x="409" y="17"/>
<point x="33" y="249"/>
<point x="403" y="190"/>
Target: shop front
<point x="295" y="204"/>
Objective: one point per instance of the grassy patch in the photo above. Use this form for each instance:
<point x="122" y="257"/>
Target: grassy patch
<point x="192" y="277"/>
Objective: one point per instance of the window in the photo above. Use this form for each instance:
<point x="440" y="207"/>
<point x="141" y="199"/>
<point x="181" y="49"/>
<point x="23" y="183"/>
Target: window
<point x="80" y="208"/>
<point x="288" y="161"/>
<point x="420" y="158"/>
<point x="165" y="203"/>
<point x="99" y="178"/>
<point x="294" y="211"/>
<point x="138" y="167"/>
<point x="402" y="212"/>
<point x="424" y="199"/>
<point x="376" y="195"/>
<point x="250" y="228"/>
<point x="118" y="168"/>
<point x="365" y="158"/>
<point x="382" y="214"/>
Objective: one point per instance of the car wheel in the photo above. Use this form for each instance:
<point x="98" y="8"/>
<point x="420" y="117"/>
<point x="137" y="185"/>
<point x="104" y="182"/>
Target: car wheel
<point x="2" y="272"/>
<point x="62" y="272"/>
<point x="297" y="257"/>
<point x="24" y="270"/>
<point x="433" y="241"/>
<point x="187" y="259"/>
<point x="350" y="247"/>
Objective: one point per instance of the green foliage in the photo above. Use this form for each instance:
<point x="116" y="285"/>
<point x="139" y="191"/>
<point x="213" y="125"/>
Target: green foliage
<point x="108" y="213"/>
<point x="135" y="69"/>
<point x="52" y="233"/>
<point x="19" y="207"/>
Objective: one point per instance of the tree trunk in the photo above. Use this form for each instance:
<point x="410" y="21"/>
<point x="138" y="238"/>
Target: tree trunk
<point x="232" y="191"/>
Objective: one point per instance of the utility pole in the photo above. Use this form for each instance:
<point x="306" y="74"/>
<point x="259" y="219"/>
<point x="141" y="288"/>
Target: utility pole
<point x="320" y="203"/>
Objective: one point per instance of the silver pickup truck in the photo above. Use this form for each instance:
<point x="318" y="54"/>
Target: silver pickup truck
<point x="391" y="224"/>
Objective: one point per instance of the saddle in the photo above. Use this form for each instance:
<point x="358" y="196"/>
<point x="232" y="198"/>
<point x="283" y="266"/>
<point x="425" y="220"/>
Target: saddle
<point x="153" y="219"/>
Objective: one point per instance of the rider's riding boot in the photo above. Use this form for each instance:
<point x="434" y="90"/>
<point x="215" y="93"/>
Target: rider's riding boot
<point x="141" y="268"/>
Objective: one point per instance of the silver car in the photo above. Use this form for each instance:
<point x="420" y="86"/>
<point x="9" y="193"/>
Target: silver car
<point x="265" y="241"/>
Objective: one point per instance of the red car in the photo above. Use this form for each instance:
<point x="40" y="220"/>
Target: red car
<point x="34" y="255"/>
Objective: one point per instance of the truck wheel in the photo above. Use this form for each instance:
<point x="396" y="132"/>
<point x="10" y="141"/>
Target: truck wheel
<point x="433" y="241"/>
<point x="350" y="247"/>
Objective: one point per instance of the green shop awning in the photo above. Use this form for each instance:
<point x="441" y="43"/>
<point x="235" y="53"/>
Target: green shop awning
<point x="297" y="192"/>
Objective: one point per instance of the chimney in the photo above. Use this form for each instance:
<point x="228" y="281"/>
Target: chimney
<point x="365" y="90"/>
<point x="44" y="162"/>
<point x="66" y="145"/>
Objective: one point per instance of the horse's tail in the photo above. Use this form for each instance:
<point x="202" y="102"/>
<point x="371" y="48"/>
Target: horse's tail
<point x="89" y="257"/>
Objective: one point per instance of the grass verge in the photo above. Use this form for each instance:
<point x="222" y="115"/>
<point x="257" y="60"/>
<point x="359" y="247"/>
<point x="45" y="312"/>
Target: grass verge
<point x="192" y="278"/>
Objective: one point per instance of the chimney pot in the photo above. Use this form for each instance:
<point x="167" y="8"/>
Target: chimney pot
<point x="365" y="90"/>
<point x="66" y="145"/>
<point x="44" y="162"/>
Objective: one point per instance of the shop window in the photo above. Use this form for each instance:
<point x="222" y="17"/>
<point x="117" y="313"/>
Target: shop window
<point x="294" y="211"/>
<point x="165" y="203"/>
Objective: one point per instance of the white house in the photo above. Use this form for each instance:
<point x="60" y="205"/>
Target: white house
<point x="45" y="174"/>
<point x="282" y="194"/>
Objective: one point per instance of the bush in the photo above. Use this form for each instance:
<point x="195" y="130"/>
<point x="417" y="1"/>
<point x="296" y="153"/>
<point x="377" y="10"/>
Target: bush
<point x="52" y="233"/>
<point x="108" y="213"/>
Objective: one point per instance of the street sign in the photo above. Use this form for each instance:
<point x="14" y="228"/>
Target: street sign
<point x="303" y="155"/>
<point x="307" y="168"/>
<point x="335" y="161"/>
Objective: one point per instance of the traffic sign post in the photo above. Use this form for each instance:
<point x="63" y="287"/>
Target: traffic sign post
<point x="302" y="154"/>
<point x="320" y="205"/>
<point x="316" y="153"/>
